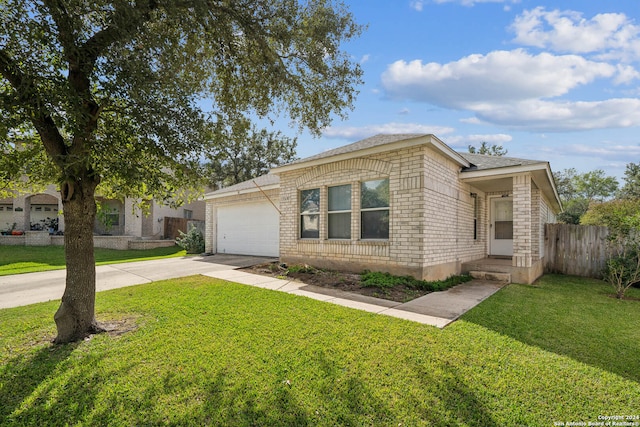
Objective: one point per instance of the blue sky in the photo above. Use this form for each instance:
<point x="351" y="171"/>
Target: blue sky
<point x="548" y="80"/>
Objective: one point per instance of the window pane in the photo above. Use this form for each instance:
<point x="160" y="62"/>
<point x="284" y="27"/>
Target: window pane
<point x="375" y="194"/>
<point x="340" y="226"/>
<point x="504" y="230"/>
<point x="375" y="224"/>
<point x="340" y="198"/>
<point x="309" y="226"/>
<point x="310" y="201"/>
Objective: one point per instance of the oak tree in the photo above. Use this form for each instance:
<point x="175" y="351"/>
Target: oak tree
<point x="119" y="94"/>
<point x="242" y="152"/>
<point x="488" y="150"/>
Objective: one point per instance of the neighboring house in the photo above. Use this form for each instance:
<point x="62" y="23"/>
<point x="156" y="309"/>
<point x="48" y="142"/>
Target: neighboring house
<point x="406" y="204"/>
<point x="35" y="211"/>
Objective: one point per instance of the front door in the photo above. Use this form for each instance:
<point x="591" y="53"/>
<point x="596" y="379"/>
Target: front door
<point x="501" y="227"/>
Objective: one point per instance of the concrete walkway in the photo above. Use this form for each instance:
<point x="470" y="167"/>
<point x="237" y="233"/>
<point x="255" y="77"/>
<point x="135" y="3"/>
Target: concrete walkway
<point x="436" y="309"/>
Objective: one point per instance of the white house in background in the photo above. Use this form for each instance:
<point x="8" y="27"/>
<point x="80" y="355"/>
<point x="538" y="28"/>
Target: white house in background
<point x="29" y="211"/>
<point x="406" y="204"/>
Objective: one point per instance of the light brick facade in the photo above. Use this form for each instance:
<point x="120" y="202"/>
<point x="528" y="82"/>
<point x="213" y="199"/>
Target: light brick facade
<point x="439" y="208"/>
<point x="431" y="230"/>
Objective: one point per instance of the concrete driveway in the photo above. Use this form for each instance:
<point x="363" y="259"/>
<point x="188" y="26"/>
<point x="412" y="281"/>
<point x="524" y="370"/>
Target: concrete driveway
<point x="23" y="289"/>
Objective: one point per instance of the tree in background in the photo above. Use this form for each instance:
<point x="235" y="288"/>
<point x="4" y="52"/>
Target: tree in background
<point x="110" y="94"/>
<point x="577" y="191"/>
<point x="631" y="188"/>
<point x="242" y="152"/>
<point x="489" y="150"/>
<point x="622" y="217"/>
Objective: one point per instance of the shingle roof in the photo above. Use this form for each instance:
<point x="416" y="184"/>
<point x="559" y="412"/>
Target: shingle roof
<point x="485" y="162"/>
<point x="370" y="142"/>
<point x="262" y="181"/>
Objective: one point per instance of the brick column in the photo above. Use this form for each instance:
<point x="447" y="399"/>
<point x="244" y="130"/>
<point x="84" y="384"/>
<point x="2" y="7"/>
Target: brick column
<point x="522" y="230"/>
<point x="210" y="229"/>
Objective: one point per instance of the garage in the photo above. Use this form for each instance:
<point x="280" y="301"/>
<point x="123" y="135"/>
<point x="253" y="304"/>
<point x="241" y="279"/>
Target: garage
<point x="248" y="229"/>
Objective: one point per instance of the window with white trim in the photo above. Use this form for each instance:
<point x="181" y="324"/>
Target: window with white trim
<point x="339" y="212"/>
<point x="310" y="214"/>
<point x="374" y="209"/>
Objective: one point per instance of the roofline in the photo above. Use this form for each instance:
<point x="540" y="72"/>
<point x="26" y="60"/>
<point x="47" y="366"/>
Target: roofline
<point x="213" y="195"/>
<point x="475" y="175"/>
<point x="471" y="176"/>
<point x="431" y="140"/>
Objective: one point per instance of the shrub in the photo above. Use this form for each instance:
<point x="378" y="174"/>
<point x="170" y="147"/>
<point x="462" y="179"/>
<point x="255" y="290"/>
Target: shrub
<point x="192" y="241"/>
<point x="296" y="268"/>
<point x="622" y="217"/>
<point x="387" y="281"/>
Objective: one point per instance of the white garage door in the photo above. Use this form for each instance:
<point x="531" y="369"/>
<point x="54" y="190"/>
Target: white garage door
<point x="248" y="229"/>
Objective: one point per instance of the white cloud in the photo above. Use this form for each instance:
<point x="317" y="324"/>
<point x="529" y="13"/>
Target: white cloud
<point x="359" y="132"/>
<point x="404" y="111"/>
<point x="609" y="151"/>
<point x="560" y="116"/>
<point x="626" y="74"/>
<point x="479" y="81"/>
<point x="365" y="58"/>
<point x="610" y="35"/>
<point x="416" y="5"/>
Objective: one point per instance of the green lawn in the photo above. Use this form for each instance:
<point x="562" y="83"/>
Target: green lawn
<point x="29" y="259"/>
<point x="209" y="352"/>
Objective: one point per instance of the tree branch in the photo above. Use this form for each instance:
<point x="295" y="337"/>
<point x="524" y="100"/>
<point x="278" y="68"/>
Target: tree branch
<point x="27" y="98"/>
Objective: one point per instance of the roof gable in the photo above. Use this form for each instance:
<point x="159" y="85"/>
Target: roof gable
<point x="376" y="144"/>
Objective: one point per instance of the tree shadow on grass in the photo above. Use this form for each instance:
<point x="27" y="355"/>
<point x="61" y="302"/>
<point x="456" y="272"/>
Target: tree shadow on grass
<point x="577" y="326"/>
<point x="457" y="404"/>
<point x="47" y="388"/>
<point x="21" y="376"/>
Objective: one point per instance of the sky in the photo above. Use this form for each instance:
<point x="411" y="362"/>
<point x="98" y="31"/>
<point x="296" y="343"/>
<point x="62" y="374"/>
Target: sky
<point x="547" y="80"/>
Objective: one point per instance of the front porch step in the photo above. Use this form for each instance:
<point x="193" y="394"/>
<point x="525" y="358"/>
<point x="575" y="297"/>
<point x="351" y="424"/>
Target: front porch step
<point x="491" y="275"/>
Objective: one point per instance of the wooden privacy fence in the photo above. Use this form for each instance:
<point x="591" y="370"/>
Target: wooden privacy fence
<point x="578" y="250"/>
<point x="173" y="226"/>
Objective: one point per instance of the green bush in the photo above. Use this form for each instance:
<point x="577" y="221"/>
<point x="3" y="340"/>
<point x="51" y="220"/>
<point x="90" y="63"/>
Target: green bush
<point x="297" y="268"/>
<point x="192" y="241"/>
<point x="387" y="281"/>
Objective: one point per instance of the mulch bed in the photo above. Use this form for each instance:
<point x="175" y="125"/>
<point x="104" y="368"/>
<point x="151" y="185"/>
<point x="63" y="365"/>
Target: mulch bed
<point x="344" y="281"/>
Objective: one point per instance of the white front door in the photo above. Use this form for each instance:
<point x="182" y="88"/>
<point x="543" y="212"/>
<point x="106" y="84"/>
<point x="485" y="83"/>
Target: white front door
<point x="501" y="227"/>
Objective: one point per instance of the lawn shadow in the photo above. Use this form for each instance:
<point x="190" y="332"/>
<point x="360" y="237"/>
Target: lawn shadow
<point x="43" y="388"/>
<point x="230" y="403"/>
<point x="455" y="403"/>
<point x="583" y="324"/>
<point x="22" y="375"/>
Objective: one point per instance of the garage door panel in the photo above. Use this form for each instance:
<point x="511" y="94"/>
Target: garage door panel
<point x="248" y="229"/>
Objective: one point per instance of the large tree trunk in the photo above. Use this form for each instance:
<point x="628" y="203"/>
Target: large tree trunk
<point x="75" y="318"/>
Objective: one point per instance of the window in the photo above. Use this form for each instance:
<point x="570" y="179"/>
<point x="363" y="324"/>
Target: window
<point x="374" y="209"/>
<point x="339" y="212"/>
<point x="188" y="214"/>
<point x="113" y="218"/>
<point x="310" y="214"/>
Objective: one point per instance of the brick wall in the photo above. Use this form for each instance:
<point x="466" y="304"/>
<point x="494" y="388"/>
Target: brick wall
<point x="431" y="215"/>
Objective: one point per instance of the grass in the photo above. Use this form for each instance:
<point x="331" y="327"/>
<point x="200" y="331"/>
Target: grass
<point x="30" y="259"/>
<point x="572" y="316"/>
<point x="209" y="352"/>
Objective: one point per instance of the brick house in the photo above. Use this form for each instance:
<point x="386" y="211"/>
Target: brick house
<point x="26" y="211"/>
<point x="406" y="204"/>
